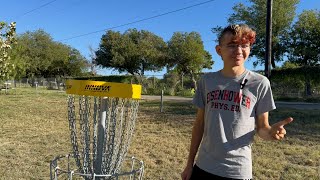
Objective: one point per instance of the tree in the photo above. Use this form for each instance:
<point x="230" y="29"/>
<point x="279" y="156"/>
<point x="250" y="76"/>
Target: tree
<point x="304" y="45"/>
<point x="172" y="78"/>
<point x="289" y="65"/>
<point x="284" y="77"/>
<point x="19" y="61"/>
<point x="37" y="51"/>
<point x="133" y="51"/>
<point x="92" y="63"/>
<point x="36" y="54"/>
<point x="70" y="62"/>
<point x="76" y="64"/>
<point x="255" y="14"/>
<point x="295" y="78"/>
<point x="7" y="37"/>
<point x="186" y="54"/>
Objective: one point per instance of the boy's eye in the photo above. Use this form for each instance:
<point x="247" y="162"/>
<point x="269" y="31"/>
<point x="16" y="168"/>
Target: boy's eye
<point x="235" y="46"/>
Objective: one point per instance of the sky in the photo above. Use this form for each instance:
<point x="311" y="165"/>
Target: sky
<point x="81" y="23"/>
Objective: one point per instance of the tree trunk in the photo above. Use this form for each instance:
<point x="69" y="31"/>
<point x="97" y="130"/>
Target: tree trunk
<point x="194" y="81"/>
<point x="182" y="80"/>
<point x="306" y="75"/>
<point x="307" y="84"/>
<point x="172" y="91"/>
<point x="273" y="63"/>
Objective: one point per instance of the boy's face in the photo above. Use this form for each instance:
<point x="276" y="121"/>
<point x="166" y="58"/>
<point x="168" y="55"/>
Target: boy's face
<point x="232" y="52"/>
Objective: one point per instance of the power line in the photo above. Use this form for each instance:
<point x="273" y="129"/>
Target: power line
<point x="28" y="12"/>
<point x="144" y="19"/>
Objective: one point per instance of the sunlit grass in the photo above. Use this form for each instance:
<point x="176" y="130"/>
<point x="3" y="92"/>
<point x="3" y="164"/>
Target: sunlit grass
<point x="34" y="129"/>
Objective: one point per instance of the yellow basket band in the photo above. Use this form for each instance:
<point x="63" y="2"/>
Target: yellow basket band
<point x="105" y="89"/>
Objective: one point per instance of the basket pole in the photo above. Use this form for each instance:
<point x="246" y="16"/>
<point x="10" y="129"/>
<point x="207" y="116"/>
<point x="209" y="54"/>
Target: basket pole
<point x="101" y="137"/>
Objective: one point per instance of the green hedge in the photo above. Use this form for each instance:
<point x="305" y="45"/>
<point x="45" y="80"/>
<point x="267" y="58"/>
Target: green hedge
<point x="311" y="72"/>
<point x="119" y="79"/>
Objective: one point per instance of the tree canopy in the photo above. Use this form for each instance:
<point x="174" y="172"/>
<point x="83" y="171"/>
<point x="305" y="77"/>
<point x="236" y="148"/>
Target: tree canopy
<point x="303" y="63"/>
<point x="187" y="54"/>
<point x="304" y="45"/>
<point x="133" y="51"/>
<point x="255" y="15"/>
<point x="36" y="54"/>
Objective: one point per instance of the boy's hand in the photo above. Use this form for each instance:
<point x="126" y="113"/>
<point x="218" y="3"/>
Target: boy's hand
<point x="277" y="130"/>
<point x="186" y="174"/>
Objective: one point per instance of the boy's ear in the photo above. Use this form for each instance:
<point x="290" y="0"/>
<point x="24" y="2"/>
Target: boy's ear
<point x="218" y="50"/>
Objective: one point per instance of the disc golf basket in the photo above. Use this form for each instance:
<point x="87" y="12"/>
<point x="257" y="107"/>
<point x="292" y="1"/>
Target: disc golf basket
<point x="101" y="122"/>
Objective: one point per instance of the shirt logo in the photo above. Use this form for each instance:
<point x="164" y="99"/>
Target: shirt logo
<point x="227" y="100"/>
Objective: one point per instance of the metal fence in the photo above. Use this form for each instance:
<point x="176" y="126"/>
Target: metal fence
<point x="285" y="90"/>
<point x="154" y="85"/>
<point x="49" y="83"/>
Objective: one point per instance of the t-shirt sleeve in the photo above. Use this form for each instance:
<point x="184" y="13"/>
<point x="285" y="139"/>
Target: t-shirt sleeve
<point x="265" y="101"/>
<point x="199" y="97"/>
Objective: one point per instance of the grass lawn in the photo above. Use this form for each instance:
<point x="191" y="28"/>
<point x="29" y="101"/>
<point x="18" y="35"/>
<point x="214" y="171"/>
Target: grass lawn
<point x="34" y="129"/>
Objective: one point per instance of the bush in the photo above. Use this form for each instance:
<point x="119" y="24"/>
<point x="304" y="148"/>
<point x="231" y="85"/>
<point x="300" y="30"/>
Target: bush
<point x="119" y="79"/>
<point x="152" y="91"/>
<point x="185" y="93"/>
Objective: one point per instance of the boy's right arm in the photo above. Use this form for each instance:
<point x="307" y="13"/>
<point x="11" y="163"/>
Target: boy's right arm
<point x="197" y="133"/>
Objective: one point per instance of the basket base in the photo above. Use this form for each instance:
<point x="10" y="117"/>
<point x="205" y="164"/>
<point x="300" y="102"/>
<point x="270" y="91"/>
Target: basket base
<point x="66" y="169"/>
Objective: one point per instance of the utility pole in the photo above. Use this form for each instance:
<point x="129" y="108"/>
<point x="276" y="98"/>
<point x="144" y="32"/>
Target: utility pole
<point x="267" y="70"/>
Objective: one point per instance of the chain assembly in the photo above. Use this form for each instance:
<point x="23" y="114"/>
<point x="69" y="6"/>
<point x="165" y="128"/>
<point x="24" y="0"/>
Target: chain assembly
<point x="101" y="125"/>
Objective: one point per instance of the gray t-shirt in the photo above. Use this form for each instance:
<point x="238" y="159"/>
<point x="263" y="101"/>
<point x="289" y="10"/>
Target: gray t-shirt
<point x="229" y="123"/>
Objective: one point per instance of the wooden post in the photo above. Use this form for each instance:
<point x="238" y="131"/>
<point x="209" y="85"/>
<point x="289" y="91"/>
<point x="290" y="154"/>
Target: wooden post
<point x="161" y="104"/>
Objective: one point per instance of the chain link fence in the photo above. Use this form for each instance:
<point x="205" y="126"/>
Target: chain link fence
<point x="151" y="84"/>
<point x="48" y="83"/>
<point x="295" y="91"/>
<point x="171" y="85"/>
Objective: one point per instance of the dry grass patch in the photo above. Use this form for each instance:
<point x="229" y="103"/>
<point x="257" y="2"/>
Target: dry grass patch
<point x="34" y="129"/>
<point x="162" y="139"/>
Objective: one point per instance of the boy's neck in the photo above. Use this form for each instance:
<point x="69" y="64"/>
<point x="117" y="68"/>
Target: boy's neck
<point x="233" y="72"/>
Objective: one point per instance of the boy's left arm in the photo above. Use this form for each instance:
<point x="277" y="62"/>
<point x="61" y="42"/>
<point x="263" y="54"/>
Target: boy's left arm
<point x="273" y="132"/>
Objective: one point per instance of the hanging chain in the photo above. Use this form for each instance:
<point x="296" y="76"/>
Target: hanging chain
<point x="122" y="140"/>
<point x="112" y="130"/>
<point x="82" y="133"/>
<point x="119" y="126"/>
<point x="73" y="130"/>
<point x="96" y="110"/>
<point x="133" y="106"/>
<point x="86" y="129"/>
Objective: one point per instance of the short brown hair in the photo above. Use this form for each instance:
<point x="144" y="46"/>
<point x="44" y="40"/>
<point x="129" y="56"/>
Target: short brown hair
<point x="242" y="32"/>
